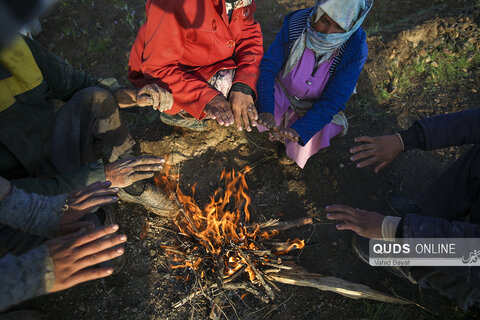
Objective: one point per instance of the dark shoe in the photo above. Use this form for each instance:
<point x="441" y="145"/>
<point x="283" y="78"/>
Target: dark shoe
<point x="360" y="246"/>
<point x="183" y="120"/>
<point x="403" y="206"/>
<point x="152" y="199"/>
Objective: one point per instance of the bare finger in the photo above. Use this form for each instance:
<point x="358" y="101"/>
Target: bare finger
<point x="340" y="208"/>
<point x="246" y="119"/>
<point x="147" y="160"/>
<point x="137" y="176"/>
<point x="97" y="234"/>
<point x="381" y="166"/>
<point x="364" y="139"/>
<point x="144" y="100"/>
<point x="100" y="257"/>
<point x="253" y="115"/>
<point x="349" y="226"/>
<point x="229" y="118"/>
<point x="92" y="194"/>
<point x="148" y="167"/>
<point x="238" y="119"/>
<point x="88" y="275"/>
<point x="363" y="155"/>
<point x="362" y="147"/>
<point x="368" y="162"/>
<point x="91" y="203"/>
<point x="91" y="187"/>
<point x="342" y="217"/>
<point x="219" y="116"/>
<point x="76" y="226"/>
<point x="98" y="246"/>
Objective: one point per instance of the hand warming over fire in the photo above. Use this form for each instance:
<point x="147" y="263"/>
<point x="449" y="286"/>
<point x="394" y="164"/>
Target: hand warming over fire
<point x="75" y="254"/>
<point x="365" y="223"/>
<point x="123" y="173"/>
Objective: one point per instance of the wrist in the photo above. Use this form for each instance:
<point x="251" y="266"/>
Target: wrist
<point x="399" y="136"/>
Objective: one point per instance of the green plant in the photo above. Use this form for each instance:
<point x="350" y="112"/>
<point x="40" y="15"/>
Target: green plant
<point x="99" y="46"/>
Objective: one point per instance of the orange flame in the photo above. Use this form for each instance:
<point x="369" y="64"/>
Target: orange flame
<point x="223" y="220"/>
<point x="293" y="244"/>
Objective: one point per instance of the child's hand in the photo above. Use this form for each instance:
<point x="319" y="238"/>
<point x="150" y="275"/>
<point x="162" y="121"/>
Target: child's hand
<point x="380" y="151"/>
<point x="266" y="119"/>
<point x="287" y="133"/>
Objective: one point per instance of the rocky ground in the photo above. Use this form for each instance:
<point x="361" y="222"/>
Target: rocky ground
<point x="424" y="60"/>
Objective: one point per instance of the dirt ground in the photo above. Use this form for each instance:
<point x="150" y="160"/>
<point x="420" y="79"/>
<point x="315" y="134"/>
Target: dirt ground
<point x="408" y="75"/>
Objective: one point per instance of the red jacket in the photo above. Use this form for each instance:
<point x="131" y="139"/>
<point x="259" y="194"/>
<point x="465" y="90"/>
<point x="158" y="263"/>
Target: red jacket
<point x="183" y="43"/>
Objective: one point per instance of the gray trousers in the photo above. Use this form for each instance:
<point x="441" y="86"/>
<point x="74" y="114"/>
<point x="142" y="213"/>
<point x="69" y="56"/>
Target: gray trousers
<point x="87" y="128"/>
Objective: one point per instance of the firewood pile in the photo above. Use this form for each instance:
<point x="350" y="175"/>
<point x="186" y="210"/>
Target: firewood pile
<point x="220" y="250"/>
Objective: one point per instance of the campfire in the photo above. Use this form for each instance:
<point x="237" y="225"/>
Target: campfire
<point x="219" y="249"/>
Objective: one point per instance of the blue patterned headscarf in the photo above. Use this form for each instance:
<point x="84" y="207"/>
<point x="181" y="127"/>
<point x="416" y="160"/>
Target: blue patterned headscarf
<point x="348" y="14"/>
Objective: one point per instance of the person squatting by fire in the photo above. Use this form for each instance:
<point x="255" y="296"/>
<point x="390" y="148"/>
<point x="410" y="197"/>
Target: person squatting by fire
<point x="194" y="60"/>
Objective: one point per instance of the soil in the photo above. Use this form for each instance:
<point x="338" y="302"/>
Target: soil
<point x="103" y="32"/>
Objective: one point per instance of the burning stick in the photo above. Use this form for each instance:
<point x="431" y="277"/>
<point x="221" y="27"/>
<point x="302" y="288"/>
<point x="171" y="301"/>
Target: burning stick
<point x="285" y="225"/>
<point x="259" y="276"/>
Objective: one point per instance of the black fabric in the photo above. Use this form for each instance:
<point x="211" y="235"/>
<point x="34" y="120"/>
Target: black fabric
<point x="24" y="10"/>
<point x="27" y="125"/>
<point x="455" y="194"/>
<point x="399" y="231"/>
<point x="4" y="73"/>
<point x="243" y="88"/>
<point x="413" y="138"/>
<point x="454" y="129"/>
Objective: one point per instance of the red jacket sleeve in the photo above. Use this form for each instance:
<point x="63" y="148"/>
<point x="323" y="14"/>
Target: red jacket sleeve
<point x="164" y="39"/>
<point x="249" y="48"/>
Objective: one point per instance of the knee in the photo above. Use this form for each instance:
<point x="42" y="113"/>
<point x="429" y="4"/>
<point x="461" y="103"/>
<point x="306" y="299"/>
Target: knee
<point x="101" y="101"/>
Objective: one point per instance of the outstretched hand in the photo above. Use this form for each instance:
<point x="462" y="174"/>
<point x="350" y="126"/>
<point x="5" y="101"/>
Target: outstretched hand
<point x="287" y="133"/>
<point x="74" y="254"/>
<point x="266" y="119"/>
<point x="367" y="224"/>
<point x="81" y="202"/>
<point x="219" y="108"/>
<point x="244" y="110"/>
<point x="150" y="95"/>
<point x="155" y="96"/>
<point x="123" y="173"/>
<point x="380" y="150"/>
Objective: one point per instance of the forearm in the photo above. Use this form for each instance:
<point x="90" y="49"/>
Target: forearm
<point x="419" y="226"/>
<point x="443" y="131"/>
<point x="26" y="276"/>
<point x="249" y="51"/>
<point x="64" y="182"/>
<point x="31" y="212"/>
<point x="270" y="66"/>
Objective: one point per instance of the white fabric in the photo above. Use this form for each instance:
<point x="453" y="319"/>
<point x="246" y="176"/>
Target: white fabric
<point x="389" y="227"/>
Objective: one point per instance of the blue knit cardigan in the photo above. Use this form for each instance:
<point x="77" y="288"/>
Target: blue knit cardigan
<point x="344" y="74"/>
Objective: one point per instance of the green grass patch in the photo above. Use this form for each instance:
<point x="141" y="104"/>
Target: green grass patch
<point x="99" y="46"/>
<point x="439" y="67"/>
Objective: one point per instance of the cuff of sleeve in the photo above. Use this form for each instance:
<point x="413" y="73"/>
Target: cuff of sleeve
<point x="25" y="276"/>
<point x="243" y="88"/>
<point x="34" y="213"/>
<point x="389" y="227"/>
<point x="413" y="137"/>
